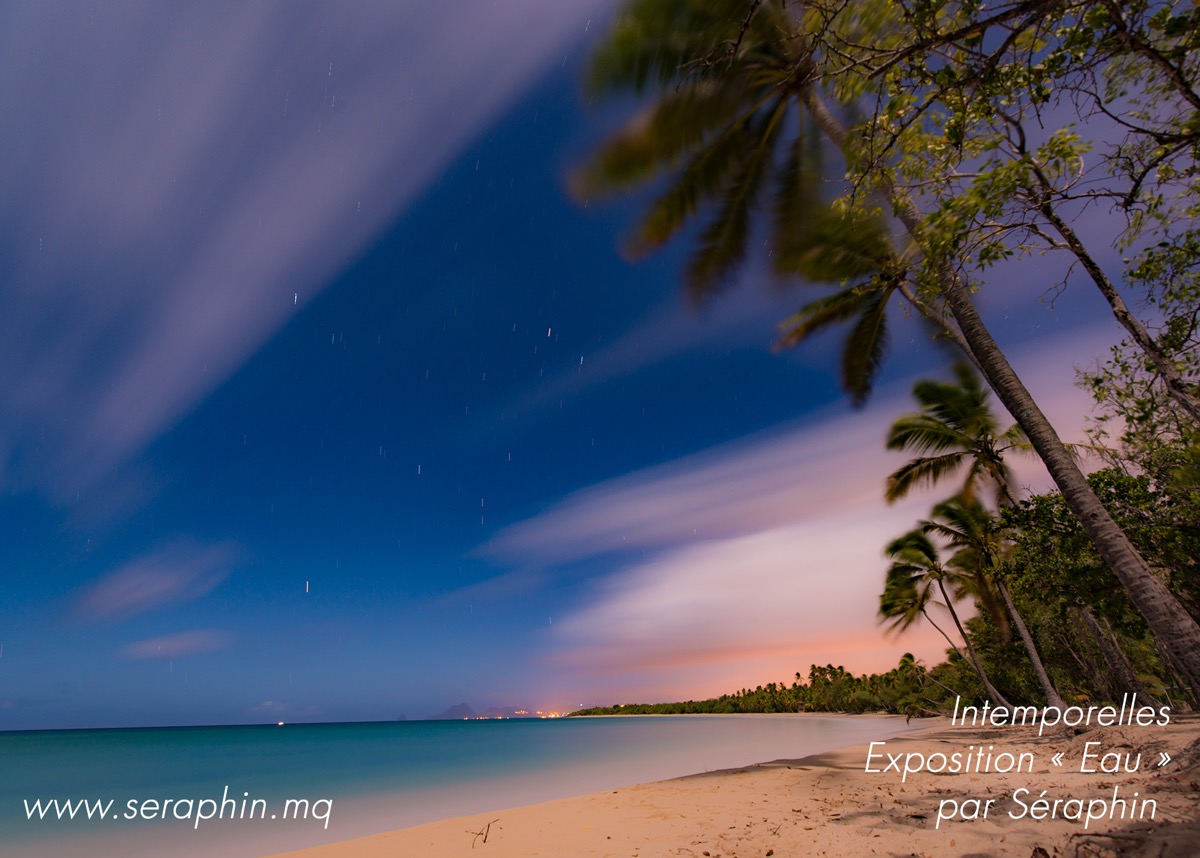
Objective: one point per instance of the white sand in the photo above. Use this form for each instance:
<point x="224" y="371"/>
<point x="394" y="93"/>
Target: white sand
<point x="827" y="804"/>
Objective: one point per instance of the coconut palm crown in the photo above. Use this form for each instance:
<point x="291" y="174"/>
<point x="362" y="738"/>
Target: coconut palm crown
<point x="725" y="138"/>
<point x="916" y="571"/>
<point x="955" y="427"/>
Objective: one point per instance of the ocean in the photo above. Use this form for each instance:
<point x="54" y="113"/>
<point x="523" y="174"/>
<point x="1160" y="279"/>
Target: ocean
<point x="257" y="790"/>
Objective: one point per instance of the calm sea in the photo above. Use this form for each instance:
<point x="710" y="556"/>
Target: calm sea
<point x="355" y="779"/>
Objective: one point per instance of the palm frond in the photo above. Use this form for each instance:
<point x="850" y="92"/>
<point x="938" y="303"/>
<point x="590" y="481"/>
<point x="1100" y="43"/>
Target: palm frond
<point x="922" y="433"/>
<point x="970" y="528"/>
<point x="942" y="529"/>
<point x="813" y="240"/>
<point x="841" y="306"/>
<point x="657" y="42"/>
<point x="913" y="547"/>
<point x="1014" y="436"/>
<point x="979" y="471"/>
<point x="796" y="187"/>
<point x="924" y="471"/>
<point x="1000" y="476"/>
<point x="704" y="178"/>
<point x="827" y="246"/>
<point x="660" y="138"/>
<point x="948" y="403"/>
<point x="865" y="347"/>
<point x="722" y="246"/>
<point x="969" y="519"/>
<point x="809" y="237"/>
<point x="901" y="603"/>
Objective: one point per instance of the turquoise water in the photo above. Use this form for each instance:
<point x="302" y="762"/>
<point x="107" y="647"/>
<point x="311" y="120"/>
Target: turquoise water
<point x="357" y="778"/>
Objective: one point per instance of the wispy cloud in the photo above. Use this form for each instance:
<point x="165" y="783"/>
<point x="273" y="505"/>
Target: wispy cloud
<point x="180" y="572"/>
<point x="177" y="645"/>
<point x="733" y="490"/>
<point x="767" y="548"/>
<point x="180" y="179"/>
<point x="786" y="589"/>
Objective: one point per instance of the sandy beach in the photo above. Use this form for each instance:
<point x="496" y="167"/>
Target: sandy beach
<point x="828" y="804"/>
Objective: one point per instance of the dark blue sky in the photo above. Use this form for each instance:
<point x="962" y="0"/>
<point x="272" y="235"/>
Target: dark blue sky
<point x="323" y="400"/>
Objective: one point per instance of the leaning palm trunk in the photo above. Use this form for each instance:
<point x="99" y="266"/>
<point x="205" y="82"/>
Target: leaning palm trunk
<point x="1119" y="654"/>
<point x="1053" y="698"/>
<point x="1089" y="655"/>
<point x="1122" y="670"/>
<point x="1168" y="620"/>
<point x="993" y="694"/>
<point x="942" y="632"/>
<point x="953" y="646"/>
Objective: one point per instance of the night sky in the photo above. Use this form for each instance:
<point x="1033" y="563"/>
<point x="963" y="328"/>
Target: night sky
<point x="322" y="399"/>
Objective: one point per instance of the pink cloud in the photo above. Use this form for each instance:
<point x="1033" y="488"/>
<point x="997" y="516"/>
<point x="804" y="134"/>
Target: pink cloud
<point x="798" y="590"/>
<point x="743" y="487"/>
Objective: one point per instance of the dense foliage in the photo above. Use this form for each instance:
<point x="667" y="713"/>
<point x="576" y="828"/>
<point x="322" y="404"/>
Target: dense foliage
<point x="828" y="689"/>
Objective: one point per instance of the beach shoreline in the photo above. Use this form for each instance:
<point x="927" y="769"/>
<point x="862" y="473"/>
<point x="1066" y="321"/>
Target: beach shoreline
<point x="829" y="804"/>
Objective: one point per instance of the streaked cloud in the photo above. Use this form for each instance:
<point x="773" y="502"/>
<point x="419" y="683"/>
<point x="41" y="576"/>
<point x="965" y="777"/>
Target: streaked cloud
<point x="179" y="179"/>
<point x="785" y="589"/>
<point x="180" y="572"/>
<point x="762" y="552"/>
<point x="177" y="645"/>
<point x="740" y="488"/>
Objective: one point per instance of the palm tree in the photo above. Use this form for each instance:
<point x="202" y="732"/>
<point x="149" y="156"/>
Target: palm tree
<point x="910" y="672"/>
<point x="908" y="593"/>
<point x="729" y="127"/>
<point x="728" y="75"/>
<point x="955" y="427"/>
<point x="971" y="530"/>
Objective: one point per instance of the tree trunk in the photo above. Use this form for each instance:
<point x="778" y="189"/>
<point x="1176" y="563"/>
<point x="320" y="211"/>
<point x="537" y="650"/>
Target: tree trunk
<point x="1126" y="664"/>
<point x="1177" y="386"/>
<point x="995" y="696"/>
<point x="942" y="632"/>
<point x="1085" y="666"/>
<point x="1121" y="669"/>
<point x="1100" y="678"/>
<point x="1174" y="680"/>
<point x="1053" y="698"/>
<point x="1168" y="620"/>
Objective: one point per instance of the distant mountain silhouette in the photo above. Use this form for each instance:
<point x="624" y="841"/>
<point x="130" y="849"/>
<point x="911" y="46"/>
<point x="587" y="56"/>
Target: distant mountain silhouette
<point x="455" y="713"/>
